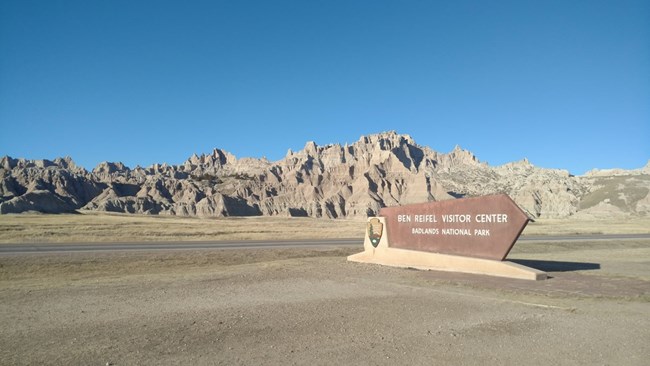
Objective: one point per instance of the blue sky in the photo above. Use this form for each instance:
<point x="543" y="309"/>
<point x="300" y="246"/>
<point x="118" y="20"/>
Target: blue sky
<point x="564" y="83"/>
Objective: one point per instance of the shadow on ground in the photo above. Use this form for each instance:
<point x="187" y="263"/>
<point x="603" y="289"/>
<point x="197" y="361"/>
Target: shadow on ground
<point x="556" y="266"/>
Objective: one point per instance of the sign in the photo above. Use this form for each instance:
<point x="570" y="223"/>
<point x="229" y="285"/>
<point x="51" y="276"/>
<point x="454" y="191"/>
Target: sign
<point x="375" y="230"/>
<point x="482" y="227"/>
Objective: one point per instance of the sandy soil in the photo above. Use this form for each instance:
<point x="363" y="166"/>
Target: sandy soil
<point x="306" y="306"/>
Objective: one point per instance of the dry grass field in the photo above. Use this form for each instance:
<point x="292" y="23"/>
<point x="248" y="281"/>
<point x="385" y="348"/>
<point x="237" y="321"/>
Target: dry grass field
<point x="135" y="228"/>
<point x="631" y="225"/>
<point x="139" y="228"/>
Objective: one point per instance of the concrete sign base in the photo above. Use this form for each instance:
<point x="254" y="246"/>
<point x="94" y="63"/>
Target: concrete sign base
<point x="378" y="251"/>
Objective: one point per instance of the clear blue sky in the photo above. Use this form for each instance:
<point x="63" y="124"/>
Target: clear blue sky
<point x="564" y="83"/>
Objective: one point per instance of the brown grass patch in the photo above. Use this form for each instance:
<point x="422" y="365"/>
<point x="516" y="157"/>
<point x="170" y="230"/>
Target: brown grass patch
<point x="631" y="225"/>
<point x="84" y="228"/>
<point x="34" y="228"/>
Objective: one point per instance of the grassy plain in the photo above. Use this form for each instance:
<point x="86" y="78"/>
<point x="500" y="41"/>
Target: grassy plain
<point x="139" y="228"/>
<point x="134" y="228"/>
<point x="618" y="225"/>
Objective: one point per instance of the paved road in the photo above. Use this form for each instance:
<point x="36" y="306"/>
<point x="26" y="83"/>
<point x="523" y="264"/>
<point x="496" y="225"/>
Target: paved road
<point x="175" y="245"/>
<point x="309" y="243"/>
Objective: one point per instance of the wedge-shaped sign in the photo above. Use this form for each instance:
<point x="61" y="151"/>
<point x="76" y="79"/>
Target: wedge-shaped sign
<point x="482" y="227"/>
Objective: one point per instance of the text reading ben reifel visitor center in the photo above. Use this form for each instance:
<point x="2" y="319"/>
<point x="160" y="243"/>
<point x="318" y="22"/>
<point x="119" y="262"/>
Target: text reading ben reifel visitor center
<point x="481" y="218"/>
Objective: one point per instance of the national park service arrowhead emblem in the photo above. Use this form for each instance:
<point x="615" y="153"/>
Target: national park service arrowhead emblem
<point x="375" y="230"/>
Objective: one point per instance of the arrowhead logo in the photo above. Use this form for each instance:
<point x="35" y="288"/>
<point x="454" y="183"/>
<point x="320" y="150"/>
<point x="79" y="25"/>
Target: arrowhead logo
<point x="375" y="230"/>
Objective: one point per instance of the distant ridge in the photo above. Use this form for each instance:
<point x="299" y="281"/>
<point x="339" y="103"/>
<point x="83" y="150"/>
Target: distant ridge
<point x="331" y="181"/>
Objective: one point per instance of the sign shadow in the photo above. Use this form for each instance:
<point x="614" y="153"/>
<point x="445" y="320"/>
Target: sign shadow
<point x="556" y="266"/>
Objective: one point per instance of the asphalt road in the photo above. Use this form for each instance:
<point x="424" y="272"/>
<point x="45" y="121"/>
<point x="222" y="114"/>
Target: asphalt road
<point x="308" y="243"/>
<point x="174" y="245"/>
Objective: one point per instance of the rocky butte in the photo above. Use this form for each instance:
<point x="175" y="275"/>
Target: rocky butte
<point x="331" y="181"/>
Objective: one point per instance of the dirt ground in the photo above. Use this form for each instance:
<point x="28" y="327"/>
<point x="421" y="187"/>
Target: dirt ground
<point x="311" y="306"/>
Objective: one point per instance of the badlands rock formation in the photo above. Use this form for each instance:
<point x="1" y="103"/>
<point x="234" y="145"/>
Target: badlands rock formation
<point x="330" y="181"/>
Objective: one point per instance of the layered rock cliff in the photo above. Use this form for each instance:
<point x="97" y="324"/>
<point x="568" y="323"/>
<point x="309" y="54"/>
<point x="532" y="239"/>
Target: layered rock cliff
<point x="330" y="181"/>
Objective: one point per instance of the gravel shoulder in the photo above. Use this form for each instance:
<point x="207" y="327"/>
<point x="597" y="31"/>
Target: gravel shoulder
<point x="311" y="306"/>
